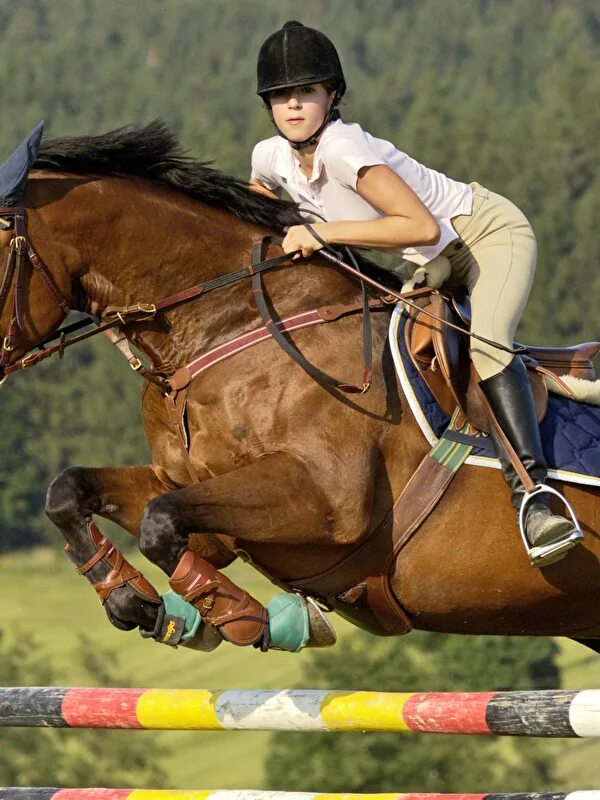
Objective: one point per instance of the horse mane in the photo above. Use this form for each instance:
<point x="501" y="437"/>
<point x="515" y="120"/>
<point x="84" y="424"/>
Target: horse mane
<point x="153" y="152"/>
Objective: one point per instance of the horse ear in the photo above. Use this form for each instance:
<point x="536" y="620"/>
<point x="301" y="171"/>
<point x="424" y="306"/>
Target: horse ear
<point x="14" y="171"/>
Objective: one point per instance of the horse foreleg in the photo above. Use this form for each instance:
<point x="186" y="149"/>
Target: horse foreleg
<point x="274" y="500"/>
<point x="119" y="494"/>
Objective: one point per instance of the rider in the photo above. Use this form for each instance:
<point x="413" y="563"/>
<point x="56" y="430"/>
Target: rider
<point x="373" y="195"/>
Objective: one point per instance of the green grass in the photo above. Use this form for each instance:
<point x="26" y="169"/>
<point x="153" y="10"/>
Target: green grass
<point x="42" y="596"/>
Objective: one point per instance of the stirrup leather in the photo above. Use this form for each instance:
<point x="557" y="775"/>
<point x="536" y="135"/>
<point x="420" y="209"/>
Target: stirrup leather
<point x="553" y="551"/>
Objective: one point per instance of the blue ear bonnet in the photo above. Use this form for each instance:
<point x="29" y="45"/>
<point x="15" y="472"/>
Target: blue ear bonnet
<point x="14" y="171"/>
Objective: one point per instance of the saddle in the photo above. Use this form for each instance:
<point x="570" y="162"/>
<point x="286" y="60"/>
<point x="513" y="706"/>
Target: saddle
<point x="441" y="354"/>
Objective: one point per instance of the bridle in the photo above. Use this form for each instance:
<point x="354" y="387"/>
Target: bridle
<point x="20" y="254"/>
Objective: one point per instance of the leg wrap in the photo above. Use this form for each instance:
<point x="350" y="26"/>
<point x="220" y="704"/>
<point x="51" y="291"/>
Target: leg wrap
<point x="240" y="618"/>
<point x="122" y="573"/>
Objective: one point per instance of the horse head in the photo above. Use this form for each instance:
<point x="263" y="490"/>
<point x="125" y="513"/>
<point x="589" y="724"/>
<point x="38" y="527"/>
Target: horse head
<point x="123" y="219"/>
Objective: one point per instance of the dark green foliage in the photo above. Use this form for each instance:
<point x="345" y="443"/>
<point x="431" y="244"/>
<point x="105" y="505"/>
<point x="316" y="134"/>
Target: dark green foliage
<point x="343" y="762"/>
<point x="503" y="92"/>
<point x="62" y="757"/>
<point x="83" y="411"/>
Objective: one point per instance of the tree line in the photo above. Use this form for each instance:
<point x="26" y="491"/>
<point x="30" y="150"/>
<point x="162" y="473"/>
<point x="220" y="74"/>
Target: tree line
<point x="504" y="92"/>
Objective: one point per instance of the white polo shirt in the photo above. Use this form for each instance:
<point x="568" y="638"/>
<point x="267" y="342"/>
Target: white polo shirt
<point x="343" y="149"/>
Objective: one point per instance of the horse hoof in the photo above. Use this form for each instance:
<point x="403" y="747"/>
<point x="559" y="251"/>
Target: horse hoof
<point x="206" y="640"/>
<point x="322" y="632"/>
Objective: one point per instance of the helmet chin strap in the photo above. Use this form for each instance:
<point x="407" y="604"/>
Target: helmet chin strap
<point x="331" y="115"/>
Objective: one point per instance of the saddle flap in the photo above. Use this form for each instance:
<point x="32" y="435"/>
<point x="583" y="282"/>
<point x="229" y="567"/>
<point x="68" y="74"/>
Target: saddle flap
<point x="418" y="334"/>
<point x="451" y="349"/>
<point x="575" y="360"/>
<point x="441" y="353"/>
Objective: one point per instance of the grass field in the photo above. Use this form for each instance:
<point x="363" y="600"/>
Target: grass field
<point x="41" y="596"/>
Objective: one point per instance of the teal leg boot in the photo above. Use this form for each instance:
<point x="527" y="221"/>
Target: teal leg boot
<point x="295" y="622"/>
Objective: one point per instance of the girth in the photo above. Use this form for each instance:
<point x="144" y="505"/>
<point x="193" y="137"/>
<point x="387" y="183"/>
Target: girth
<point x="359" y="586"/>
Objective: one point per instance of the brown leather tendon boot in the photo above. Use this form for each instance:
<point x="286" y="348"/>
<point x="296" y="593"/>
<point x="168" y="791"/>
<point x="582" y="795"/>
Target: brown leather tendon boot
<point x="240" y="618"/>
<point x="550" y="535"/>
<point x="146" y="600"/>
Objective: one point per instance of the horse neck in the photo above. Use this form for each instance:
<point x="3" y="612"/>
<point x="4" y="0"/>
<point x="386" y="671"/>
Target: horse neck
<point x="141" y="242"/>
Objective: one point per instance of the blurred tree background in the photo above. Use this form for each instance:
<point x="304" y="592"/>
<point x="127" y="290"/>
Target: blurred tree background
<point x="504" y="92"/>
<point x="68" y="757"/>
<point x="500" y="91"/>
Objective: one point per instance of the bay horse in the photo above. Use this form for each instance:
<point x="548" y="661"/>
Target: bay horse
<point x="291" y="473"/>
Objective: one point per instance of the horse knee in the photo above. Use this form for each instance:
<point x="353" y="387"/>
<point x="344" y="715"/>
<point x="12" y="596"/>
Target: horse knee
<point x="158" y="533"/>
<point x="66" y="496"/>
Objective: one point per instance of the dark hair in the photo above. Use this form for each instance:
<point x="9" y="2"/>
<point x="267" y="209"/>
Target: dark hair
<point x="330" y="86"/>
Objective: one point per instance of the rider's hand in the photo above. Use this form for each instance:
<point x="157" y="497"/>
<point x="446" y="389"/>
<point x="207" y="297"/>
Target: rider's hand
<point x="298" y="238"/>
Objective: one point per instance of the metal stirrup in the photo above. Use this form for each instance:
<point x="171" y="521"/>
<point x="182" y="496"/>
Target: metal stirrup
<point x="539" y="553"/>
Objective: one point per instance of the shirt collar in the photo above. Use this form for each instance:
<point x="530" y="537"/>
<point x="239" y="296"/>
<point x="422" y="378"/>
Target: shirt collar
<point x="318" y="159"/>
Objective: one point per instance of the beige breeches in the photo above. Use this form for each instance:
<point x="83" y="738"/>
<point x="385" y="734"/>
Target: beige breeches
<point x="495" y="259"/>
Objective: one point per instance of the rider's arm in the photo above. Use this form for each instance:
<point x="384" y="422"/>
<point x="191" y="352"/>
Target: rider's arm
<point x="406" y="221"/>
<point x="260" y="189"/>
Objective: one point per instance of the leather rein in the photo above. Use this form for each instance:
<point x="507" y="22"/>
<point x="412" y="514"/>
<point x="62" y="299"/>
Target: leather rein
<point x="22" y="253"/>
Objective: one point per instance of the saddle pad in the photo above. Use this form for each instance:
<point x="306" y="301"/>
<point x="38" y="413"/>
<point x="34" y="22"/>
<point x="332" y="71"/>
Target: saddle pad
<point x="570" y="430"/>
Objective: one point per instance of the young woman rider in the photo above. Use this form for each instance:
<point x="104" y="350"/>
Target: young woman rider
<point x="373" y="195"/>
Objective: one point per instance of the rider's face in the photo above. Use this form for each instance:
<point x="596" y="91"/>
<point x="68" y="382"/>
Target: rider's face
<point x="298" y="112"/>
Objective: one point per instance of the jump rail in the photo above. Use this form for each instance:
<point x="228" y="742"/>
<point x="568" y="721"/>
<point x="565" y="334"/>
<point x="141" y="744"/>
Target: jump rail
<point x="250" y="794"/>
<point x="548" y="714"/>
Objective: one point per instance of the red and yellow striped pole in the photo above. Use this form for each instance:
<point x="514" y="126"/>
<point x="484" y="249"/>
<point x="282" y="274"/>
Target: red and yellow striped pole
<point x="555" y="713"/>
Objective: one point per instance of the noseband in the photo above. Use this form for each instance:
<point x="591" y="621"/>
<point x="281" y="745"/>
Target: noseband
<point x="20" y="254"/>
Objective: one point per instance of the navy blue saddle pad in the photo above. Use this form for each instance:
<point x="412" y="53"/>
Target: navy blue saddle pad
<point x="570" y="430"/>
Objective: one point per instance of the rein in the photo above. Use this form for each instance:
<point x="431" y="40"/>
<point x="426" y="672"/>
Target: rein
<point x="21" y="252"/>
<point x="261" y="301"/>
<point x="390" y="295"/>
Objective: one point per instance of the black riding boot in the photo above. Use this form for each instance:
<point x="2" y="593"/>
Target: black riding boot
<point x="509" y="395"/>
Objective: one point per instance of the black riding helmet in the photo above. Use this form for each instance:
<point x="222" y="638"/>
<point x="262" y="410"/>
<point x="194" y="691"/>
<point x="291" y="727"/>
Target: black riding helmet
<point x="297" y="55"/>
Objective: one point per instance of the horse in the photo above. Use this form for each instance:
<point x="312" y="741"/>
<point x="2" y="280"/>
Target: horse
<point x="278" y="468"/>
